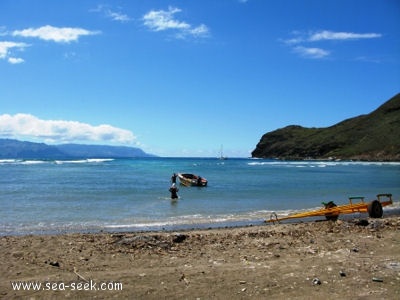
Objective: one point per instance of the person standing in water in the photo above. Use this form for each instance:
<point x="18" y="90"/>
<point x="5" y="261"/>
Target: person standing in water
<point x="173" y="178"/>
<point x="174" y="191"/>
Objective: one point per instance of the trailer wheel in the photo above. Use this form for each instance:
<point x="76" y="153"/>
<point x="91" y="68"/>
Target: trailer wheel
<point x="331" y="216"/>
<point x="375" y="209"/>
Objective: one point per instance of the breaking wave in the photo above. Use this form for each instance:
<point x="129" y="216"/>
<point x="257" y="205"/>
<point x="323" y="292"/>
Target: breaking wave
<point x="58" y="162"/>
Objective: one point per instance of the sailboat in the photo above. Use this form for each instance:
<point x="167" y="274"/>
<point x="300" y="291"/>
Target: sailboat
<point x="221" y="154"/>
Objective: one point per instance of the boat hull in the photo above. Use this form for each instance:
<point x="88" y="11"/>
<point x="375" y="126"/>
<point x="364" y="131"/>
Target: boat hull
<point x="191" y="180"/>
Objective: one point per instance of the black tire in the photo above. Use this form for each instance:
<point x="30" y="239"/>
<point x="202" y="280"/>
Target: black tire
<point x="375" y="209"/>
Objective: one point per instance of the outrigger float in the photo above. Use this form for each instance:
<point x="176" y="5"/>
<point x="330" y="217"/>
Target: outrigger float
<point x="332" y="211"/>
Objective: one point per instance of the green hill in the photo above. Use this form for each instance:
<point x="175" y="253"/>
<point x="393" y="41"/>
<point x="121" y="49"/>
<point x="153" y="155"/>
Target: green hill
<point x="27" y="150"/>
<point x="375" y="136"/>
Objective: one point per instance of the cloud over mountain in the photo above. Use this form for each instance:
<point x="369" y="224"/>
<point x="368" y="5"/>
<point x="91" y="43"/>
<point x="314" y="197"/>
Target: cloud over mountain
<point x="29" y="126"/>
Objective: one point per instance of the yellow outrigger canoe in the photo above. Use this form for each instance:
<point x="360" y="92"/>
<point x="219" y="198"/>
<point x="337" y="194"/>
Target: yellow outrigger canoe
<point x="332" y="211"/>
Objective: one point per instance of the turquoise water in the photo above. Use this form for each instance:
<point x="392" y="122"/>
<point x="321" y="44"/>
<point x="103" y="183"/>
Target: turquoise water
<point x="132" y="194"/>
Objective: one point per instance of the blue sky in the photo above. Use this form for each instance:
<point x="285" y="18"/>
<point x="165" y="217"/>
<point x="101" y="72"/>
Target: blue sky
<point x="182" y="78"/>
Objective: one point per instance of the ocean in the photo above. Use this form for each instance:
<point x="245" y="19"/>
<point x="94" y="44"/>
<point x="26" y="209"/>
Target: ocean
<point x="114" y="195"/>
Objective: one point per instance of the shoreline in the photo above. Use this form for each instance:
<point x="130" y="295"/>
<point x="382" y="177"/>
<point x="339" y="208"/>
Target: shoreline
<point x="346" y="258"/>
<point x="389" y="211"/>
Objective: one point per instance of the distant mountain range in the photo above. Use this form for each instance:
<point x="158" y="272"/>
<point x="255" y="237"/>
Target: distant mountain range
<point x="375" y="136"/>
<point x="10" y="148"/>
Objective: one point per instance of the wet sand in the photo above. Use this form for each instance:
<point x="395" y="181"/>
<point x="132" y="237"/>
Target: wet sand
<point x="319" y="260"/>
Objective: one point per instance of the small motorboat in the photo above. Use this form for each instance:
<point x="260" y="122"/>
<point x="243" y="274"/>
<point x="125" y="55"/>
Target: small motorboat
<point x="191" y="179"/>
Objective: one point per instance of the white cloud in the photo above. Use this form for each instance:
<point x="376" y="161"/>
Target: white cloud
<point x="311" y="52"/>
<point x="7" y="46"/>
<point x="293" y="41"/>
<point x="327" y="35"/>
<point x="161" y="20"/>
<point x="112" y="14"/>
<point x="117" y="16"/>
<point x="331" y="35"/>
<point x="368" y="59"/>
<point x="15" y="60"/>
<point x="55" y="34"/>
<point x="300" y="39"/>
<point x="200" y="30"/>
<point x="29" y="126"/>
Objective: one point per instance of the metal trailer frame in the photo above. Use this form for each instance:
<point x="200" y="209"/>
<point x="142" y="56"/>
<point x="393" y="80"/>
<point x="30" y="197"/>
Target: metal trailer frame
<point x="332" y="211"/>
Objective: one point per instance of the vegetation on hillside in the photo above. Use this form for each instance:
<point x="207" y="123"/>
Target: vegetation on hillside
<point x="374" y="136"/>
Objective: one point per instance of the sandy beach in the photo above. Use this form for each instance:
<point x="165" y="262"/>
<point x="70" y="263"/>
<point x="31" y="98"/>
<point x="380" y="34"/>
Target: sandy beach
<point x="320" y="260"/>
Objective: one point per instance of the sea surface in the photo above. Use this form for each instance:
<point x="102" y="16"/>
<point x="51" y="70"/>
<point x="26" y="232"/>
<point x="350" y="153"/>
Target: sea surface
<point x="113" y="195"/>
